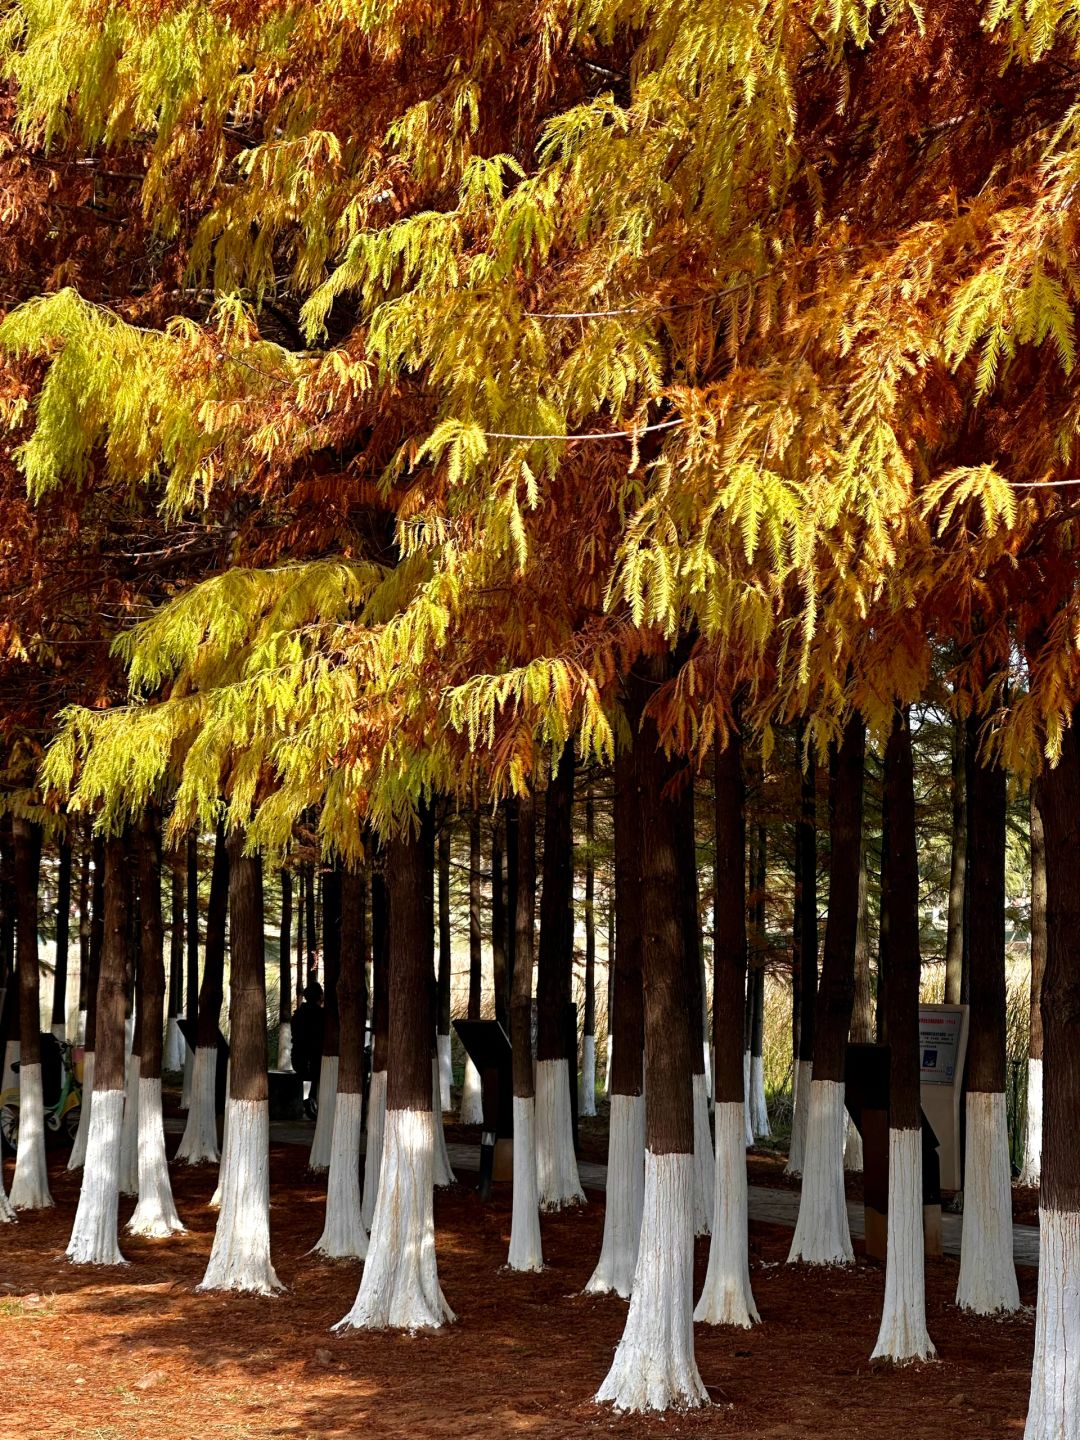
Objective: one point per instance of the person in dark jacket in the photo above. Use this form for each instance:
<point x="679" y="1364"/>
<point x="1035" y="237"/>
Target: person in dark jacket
<point x="307" y="1041"/>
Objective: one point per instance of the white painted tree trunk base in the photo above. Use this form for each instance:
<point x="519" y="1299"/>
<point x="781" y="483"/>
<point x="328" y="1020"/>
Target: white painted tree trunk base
<point x="199" y="1144"/>
<point x="77" y="1157"/>
<point x="240" y="1257"/>
<point x="726" y="1298"/>
<point x="706" y="1050"/>
<point x="344" y="1236"/>
<point x="804" y="1074"/>
<point x="587" y="1089"/>
<point x="853" y="1151"/>
<point x="747" y="1117"/>
<point x="322" y="1140"/>
<point x="903" y="1336"/>
<point x="1054" y="1402"/>
<point x="155" y="1214"/>
<point x="189" y="1077"/>
<point x="607" y="1066"/>
<point x="175" y="1046"/>
<point x="7" y="1214"/>
<point x="704" y="1160"/>
<point x="30" y="1185"/>
<point x="441" y="1168"/>
<point x="373" y="1148"/>
<point x="284" y="1045"/>
<point x="129" y="1134"/>
<point x="400" y="1286"/>
<point x="759" y="1108"/>
<point x="472" y="1106"/>
<point x="556" y="1164"/>
<point x="446" y="1071"/>
<point x="215" y="1199"/>
<point x="526" y="1251"/>
<point x="822" y="1234"/>
<point x="987" y="1283"/>
<point x="654" y="1366"/>
<point x="94" y="1236"/>
<point x="625" y="1198"/>
<point x="1031" y="1174"/>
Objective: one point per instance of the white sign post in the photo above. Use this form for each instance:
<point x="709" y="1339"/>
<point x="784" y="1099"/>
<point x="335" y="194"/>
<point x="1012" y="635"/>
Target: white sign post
<point x="943" y="1035"/>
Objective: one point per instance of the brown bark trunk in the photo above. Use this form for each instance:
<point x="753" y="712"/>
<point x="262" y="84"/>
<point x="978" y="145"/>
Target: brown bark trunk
<point x="84" y="924"/>
<point x="445" y="951"/>
<point x="63" y="926"/>
<point x="555" y="966"/>
<point x="247" y="979"/>
<point x="331" y="918"/>
<point x="475" y="919"/>
<point x="806" y="925"/>
<point x="1059" y="805"/>
<point x="498" y="923"/>
<point x="729" y="923"/>
<point x="310" y="928"/>
<point x="26" y="838"/>
<point x="669" y="1048"/>
<point x="987" y="797"/>
<point x="761" y="945"/>
<point x="904" y="958"/>
<point x="524" y="922"/>
<point x="152" y="948"/>
<point x="112" y="980"/>
<point x="191" y="1001"/>
<point x="884" y="936"/>
<point x="627" y="1016"/>
<point x="96" y="941"/>
<point x="589" y="1021"/>
<point x="212" y="990"/>
<point x="954" y="938"/>
<point x="691" y="924"/>
<point x="408" y="1076"/>
<point x="1038" y="926"/>
<point x="176" y="941"/>
<point x="836" y="992"/>
<point x="8" y="900"/>
<point x="862" y="1014"/>
<point x="352" y="989"/>
<point x="285" y="1005"/>
<point x="380" y="971"/>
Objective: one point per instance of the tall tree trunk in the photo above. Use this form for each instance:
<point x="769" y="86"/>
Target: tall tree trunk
<point x="862" y="1013"/>
<point x="94" y="1239"/>
<point x="94" y="941"/>
<point x="626" y="1036"/>
<point x="199" y="1144"/>
<point x="954" y="937"/>
<point x="525" y="1247"/>
<point x="987" y="1280"/>
<point x="498" y="922"/>
<point x="472" y="1109"/>
<point x="155" y="1213"/>
<point x="380" y="1024"/>
<point x="240" y="1256"/>
<point x="587" y="1101"/>
<point x="343" y="1233"/>
<point x="400" y="1285"/>
<point x="1032" y="1171"/>
<point x="654" y="1366"/>
<point x="310" y="928"/>
<point x="30" y="1186"/>
<point x="903" y="1335"/>
<point x="759" y="1109"/>
<point x="690" y="924"/>
<point x="884" y="924"/>
<point x="822" y="1236"/>
<point x="319" y="1157"/>
<point x="806" y="940"/>
<point x="63" y="925"/>
<point x="191" y="986"/>
<point x="285" y="1005"/>
<point x="727" y="1298"/>
<point x="173" y="1058"/>
<point x="556" y="1163"/>
<point x="84" y="936"/>
<point x="442" y="1038"/>
<point x="1054" y="1406"/>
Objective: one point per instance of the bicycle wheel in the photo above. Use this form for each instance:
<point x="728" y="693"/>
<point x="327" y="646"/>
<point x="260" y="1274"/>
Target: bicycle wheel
<point x="9" y="1127"/>
<point x="70" y="1124"/>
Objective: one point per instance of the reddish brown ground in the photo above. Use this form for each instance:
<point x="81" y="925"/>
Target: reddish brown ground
<point x="136" y="1354"/>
